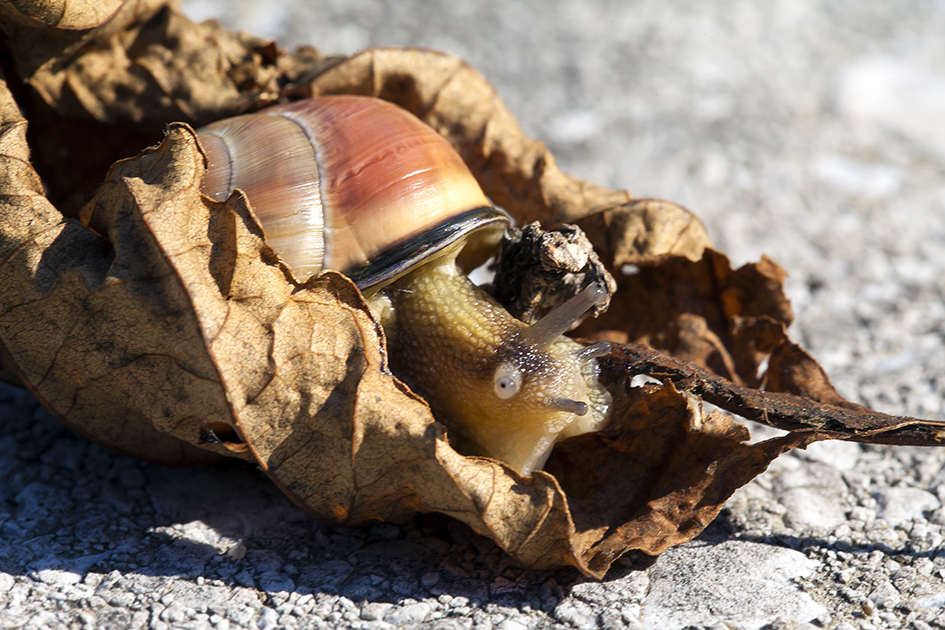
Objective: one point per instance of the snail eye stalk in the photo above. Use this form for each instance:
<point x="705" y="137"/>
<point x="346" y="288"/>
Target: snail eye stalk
<point x="592" y="351"/>
<point x="546" y="330"/>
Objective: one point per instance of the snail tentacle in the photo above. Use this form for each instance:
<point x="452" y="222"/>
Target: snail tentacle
<point x="591" y="352"/>
<point x="560" y="403"/>
<point x="546" y="330"/>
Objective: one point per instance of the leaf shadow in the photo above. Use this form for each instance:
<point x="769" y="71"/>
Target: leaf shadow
<point x="122" y="525"/>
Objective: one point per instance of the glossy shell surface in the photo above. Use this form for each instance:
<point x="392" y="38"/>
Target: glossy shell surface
<point x="349" y="183"/>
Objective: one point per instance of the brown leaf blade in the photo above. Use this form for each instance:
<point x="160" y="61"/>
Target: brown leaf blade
<point x="321" y="422"/>
<point x="702" y="311"/>
<point x="643" y="230"/>
<point x="792" y="370"/>
<point x="659" y="473"/>
<point x="88" y="335"/>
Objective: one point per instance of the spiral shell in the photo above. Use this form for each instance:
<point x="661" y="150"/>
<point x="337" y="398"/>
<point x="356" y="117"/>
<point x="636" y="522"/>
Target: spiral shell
<point x="349" y="183"/>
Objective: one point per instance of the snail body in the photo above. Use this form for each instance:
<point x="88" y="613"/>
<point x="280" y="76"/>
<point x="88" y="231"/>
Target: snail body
<point x="361" y="186"/>
<point x="517" y="388"/>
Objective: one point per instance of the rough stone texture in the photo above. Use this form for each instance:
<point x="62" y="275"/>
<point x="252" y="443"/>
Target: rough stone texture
<point x="810" y="131"/>
<point x="750" y="585"/>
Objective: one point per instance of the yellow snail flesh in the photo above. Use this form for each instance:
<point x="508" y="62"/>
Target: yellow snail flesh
<point x="361" y="186"/>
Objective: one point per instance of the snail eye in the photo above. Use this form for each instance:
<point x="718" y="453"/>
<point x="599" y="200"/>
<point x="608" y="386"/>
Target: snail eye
<point x="507" y="381"/>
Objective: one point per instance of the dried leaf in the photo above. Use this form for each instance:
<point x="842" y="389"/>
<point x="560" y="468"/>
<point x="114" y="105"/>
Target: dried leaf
<point x="643" y="230"/>
<point x="650" y="484"/>
<point x="173" y="323"/>
<point x="92" y="330"/>
<point x="701" y="311"/>
<point x="300" y="371"/>
<point x="792" y="370"/>
<point x="837" y="419"/>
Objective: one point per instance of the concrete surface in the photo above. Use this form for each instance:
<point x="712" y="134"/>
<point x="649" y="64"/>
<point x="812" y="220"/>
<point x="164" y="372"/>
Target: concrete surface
<point x="809" y="131"/>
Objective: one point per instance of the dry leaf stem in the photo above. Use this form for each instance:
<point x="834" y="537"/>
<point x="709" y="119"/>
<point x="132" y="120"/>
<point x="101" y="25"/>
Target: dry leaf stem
<point x="781" y="410"/>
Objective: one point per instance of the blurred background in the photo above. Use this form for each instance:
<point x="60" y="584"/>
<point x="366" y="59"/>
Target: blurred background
<point x="809" y="131"/>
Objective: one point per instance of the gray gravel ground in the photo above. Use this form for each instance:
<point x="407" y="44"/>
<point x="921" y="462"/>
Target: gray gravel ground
<point x="813" y="132"/>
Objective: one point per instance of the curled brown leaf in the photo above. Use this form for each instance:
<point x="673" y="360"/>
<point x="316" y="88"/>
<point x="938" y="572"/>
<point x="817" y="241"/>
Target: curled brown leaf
<point x="645" y="229"/>
<point x="91" y="324"/>
<point x="701" y="311"/>
<point x="166" y="328"/>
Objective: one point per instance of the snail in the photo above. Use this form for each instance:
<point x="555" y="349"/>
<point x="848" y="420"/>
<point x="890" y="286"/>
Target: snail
<point x="359" y="185"/>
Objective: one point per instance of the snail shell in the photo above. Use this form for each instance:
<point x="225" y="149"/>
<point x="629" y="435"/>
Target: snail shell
<point x="359" y="185"/>
<point x="350" y="183"/>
